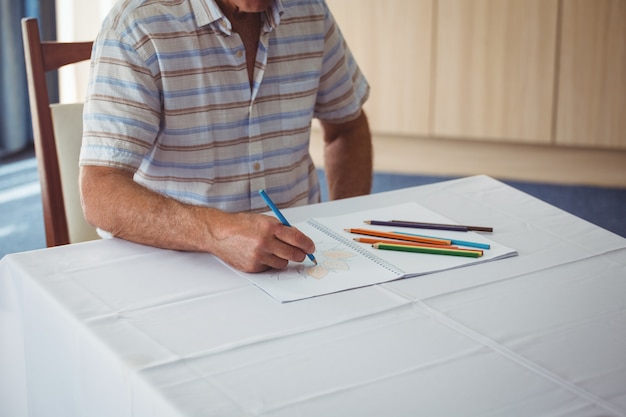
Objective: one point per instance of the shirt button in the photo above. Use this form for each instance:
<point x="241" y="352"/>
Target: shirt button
<point x="256" y="166"/>
<point x="239" y="53"/>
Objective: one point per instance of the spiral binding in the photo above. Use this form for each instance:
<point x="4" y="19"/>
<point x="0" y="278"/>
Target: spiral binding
<point x="354" y="246"/>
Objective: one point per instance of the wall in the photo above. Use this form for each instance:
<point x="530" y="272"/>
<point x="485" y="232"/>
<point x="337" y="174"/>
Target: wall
<point x="545" y="72"/>
<point x="78" y="20"/>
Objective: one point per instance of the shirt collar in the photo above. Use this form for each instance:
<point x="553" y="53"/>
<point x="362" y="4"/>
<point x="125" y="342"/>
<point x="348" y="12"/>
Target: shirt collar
<point x="208" y="12"/>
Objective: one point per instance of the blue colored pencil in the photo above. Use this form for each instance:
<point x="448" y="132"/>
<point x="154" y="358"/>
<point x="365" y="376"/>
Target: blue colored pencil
<point x="455" y="241"/>
<point x="280" y="216"/>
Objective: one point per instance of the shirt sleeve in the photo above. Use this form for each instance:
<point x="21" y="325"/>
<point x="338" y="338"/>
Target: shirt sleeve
<point x="343" y="88"/>
<point x="122" y="112"/>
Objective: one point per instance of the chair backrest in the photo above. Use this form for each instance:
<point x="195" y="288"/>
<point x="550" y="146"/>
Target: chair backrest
<point x="57" y="131"/>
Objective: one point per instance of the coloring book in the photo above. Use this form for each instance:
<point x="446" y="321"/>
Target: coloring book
<point x="344" y="264"/>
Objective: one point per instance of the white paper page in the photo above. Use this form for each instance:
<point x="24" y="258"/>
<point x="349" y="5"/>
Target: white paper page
<point x="344" y="264"/>
<point x="339" y="267"/>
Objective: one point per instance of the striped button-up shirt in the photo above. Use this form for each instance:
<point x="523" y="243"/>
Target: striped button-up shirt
<point x="170" y="100"/>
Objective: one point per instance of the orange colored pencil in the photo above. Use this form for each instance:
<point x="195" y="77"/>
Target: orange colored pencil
<point x="373" y="240"/>
<point x="399" y="236"/>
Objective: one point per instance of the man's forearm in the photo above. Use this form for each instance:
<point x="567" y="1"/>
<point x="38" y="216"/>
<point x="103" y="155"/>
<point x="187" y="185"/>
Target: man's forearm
<point x="249" y="242"/>
<point x="113" y="202"/>
<point x="348" y="158"/>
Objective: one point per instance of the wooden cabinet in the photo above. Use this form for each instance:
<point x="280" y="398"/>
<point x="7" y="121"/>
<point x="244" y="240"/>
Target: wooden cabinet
<point x="592" y="77"/>
<point x="392" y="42"/>
<point x="549" y="72"/>
<point x="495" y="69"/>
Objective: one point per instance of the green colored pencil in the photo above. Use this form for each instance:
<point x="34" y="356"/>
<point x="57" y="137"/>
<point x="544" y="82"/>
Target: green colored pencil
<point x="432" y="250"/>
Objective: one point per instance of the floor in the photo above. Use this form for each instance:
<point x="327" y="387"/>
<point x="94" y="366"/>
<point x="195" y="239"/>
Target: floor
<point x="537" y="163"/>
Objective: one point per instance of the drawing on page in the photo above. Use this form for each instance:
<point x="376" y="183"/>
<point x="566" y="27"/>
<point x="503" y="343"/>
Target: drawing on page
<point x="331" y="257"/>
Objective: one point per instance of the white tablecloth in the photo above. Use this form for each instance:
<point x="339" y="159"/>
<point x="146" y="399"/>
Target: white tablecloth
<point x="110" y="328"/>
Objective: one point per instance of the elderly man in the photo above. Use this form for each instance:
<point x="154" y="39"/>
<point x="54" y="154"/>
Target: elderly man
<point x="196" y="105"/>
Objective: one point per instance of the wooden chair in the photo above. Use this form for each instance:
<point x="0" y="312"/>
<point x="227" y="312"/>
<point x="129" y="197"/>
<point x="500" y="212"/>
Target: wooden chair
<point x="57" y="130"/>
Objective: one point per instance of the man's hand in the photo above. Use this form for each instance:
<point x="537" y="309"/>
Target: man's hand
<point x="256" y="242"/>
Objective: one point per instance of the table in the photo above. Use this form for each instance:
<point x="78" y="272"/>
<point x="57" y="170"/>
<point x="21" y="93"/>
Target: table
<point x="111" y="328"/>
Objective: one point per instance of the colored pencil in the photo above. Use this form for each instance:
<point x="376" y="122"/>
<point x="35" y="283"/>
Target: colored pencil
<point x="372" y="240"/>
<point x="399" y="236"/>
<point x="424" y="225"/>
<point x="280" y="216"/>
<point x="456" y="241"/>
<point x="429" y="250"/>
<point x="398" y="223"/>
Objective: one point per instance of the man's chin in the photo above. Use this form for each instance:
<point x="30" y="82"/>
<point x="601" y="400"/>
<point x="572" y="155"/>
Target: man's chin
<point x="253" y="6"/>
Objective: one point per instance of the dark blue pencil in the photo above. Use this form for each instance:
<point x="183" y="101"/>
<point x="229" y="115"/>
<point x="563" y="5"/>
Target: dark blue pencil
<point x="282" y="218"/>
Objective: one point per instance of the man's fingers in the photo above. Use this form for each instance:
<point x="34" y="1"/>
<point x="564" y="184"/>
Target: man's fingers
<point x="295" y="238"/>
<point x="260" y="242"/>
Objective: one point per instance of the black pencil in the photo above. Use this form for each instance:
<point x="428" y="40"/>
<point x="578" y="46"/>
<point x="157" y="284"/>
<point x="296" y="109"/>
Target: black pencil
<point x="472" y="228"/>
<point x="434" y="226"/>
